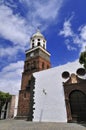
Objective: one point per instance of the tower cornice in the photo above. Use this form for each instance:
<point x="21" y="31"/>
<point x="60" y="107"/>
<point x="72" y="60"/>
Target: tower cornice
<point x="38" y="47"/>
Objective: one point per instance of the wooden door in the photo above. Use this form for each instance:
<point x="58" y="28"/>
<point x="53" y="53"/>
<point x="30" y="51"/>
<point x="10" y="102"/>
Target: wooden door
<point x="78" y="106"/>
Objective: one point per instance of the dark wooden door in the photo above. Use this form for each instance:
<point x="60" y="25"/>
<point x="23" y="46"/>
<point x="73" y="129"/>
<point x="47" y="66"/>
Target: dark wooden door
<point x="78" y="106"/>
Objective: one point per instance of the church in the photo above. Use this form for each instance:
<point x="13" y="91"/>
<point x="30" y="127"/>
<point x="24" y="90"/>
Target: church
<point x="50" y="94"/>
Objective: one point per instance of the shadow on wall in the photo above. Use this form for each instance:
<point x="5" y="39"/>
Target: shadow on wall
<point x="32" y="86"/>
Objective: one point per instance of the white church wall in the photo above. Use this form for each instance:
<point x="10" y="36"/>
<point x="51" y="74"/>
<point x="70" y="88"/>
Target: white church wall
<point x="49" y="94"/>
<point x="16" y="105"/>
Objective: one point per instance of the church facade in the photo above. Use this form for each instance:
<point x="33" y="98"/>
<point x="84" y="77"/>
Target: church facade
<point x="51" y="94"/>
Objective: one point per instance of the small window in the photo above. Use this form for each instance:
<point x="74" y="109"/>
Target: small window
<point x="38" y="43"/>
<point x="33" y="45"/>
<point x="33" y="40"/>
<point x="29" y="82"/>
<point x="38" y="39"/>
<point x="33" y="65"/>
<point x="28" y="85"/>
<point x="42" y="65"/>
<point x="47" y="66"/>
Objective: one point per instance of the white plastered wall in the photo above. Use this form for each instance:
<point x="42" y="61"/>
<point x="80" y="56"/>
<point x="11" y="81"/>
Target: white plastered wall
<point x="49" y="94"/>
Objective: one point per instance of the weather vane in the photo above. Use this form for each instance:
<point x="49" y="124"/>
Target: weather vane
<point x="38" y="29"/>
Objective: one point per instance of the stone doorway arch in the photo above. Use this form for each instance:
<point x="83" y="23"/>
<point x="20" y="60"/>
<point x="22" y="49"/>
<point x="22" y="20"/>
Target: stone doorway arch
<point x="75" y="88"/>
<point x="77" y="100"/>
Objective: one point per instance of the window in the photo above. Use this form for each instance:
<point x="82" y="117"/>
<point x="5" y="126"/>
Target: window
<point x="47" y="66"/>
<point x="38" y="39"/>
<point x="33" y="45"/>
<point x="38" y="43"/>
<point x="33" y="65"/>
<point x="42" y="65"/>
<point x="29" y="82"/>
<point x="28" y="85"/>
<point x="33" y="40"/>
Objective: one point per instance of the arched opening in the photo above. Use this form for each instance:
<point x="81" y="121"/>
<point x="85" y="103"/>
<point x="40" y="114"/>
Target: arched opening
<point x="42" y="65"/>
<point x="33" y="45"/>
<point x="44" y="46"/>
<point x="33" y="65"/>
<point x="78" y="106"/>
<point x="38" y="43"/>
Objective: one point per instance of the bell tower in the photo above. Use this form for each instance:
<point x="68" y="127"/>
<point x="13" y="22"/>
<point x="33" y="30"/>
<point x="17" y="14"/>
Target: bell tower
<point x="37" y="59"/>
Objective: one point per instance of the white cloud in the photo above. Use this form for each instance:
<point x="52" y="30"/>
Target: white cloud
<point x="13" y="27"/>
<point x="78" y="38"/>
<point x="48" y="10"/>
<point x="69" y="46"/>
<point x="43" y="11"/>
<point x="19" y="29"/>
<point x="83" y="32"/>
<point x="9" y="51"/>
<point x="10" y="3"/>
<point x="67" y="31"/>
<point x="10" y="80"/>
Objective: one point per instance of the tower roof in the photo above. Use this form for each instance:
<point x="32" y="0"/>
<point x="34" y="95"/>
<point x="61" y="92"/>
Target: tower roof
<point x="37" y="39"/>
<point x="38" y="34"/>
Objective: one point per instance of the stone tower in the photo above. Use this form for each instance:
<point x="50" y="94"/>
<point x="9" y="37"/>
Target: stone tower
<point x="37" y="59"/>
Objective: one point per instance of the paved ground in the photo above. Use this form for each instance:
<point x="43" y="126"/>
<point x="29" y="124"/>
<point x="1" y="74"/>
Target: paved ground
<point x="25" y="125"/>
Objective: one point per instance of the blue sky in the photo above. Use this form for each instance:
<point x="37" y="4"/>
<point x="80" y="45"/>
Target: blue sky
<point x="62" y="22"/>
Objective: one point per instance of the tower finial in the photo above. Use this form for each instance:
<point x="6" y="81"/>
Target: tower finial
<point x="38" y="29"/>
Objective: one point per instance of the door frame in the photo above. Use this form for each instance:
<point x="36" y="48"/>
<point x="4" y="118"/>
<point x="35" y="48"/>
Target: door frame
<point x="69" y="86"/>
<point x="78" y="104"/>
